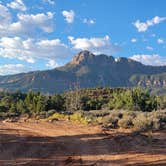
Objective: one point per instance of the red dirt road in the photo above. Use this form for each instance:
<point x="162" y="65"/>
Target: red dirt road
<point x="68" y="144"/>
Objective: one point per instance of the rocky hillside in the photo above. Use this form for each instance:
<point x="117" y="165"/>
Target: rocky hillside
<point x="88" y="70"/>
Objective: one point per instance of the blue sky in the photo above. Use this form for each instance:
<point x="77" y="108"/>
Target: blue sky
<point x="43" y="34"/>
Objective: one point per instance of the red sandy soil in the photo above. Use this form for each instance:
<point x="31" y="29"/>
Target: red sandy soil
<point x="68" y="144"/>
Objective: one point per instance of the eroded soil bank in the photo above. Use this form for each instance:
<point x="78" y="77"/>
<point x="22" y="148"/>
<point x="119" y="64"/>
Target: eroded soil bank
<point x="68" y="144"/>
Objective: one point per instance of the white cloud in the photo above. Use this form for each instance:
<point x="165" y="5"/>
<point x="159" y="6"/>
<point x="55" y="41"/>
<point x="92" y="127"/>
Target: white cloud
<point x="153" y="35"/>
<point x="13" y="69"/>
<point x="155" y="59"/>
<point x="5" y="17"/>
<point x="69" y="16"/>
<point x="52" y="64"/>
<point x="133" y="40"/>
<point x="15" y="48"/>
<point x="41" y="20"/>
<point x="52" y="51"/>
<point x="149" y="48"/>
<point x="27" y="24"/>
<point x="88" y="21"/>
<point x="95" y="45"/>
<point x="30" y="50"/>
<point x="17" y="4"/>
<point x="51" y="2"/>
<point x="160" y="41"/>
<point x="143" y="26"/>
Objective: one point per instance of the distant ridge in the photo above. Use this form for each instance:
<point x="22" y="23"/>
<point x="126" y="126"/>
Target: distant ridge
<point x="90" y="71"/>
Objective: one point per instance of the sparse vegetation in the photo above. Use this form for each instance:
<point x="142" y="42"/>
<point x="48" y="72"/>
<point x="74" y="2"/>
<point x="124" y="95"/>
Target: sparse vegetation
<point x="119" y="107"/>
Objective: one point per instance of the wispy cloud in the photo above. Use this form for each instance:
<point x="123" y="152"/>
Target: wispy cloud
<point x="13" y="69"/>
<point x="133" y="40"/>
<point x="17" y="4"/>
<point x="51" y="2"/>
<point x="149" y="48"/>
<point x="52" y="64"/>
<point x="154" y="59"/>
<point x="160" y="41"/>
<point x="69" y="16"/>
<point x="143" y="26"/>
<point x="88" y="21"/>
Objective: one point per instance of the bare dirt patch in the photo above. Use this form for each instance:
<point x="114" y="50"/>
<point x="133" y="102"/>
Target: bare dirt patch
<point x="69" y="144"/>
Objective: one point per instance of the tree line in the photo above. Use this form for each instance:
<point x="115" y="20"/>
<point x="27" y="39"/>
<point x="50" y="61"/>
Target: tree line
<point x="31" y="103"/>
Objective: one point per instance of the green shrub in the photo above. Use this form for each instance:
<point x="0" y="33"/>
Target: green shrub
<point x="110" y="121"/>
<point x="50" y="112"/>
<point x="125" y="122"/>
<point x="159" y="119"/>
<point x="80" y="118"/>
<point x="131" y="114"/>
<point x="56" y="116"/>
<point x="142" y="122"/>
<point x="98" y="113"/>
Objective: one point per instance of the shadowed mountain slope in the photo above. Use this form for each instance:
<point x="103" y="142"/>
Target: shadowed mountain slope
<point x="88" y="70"/>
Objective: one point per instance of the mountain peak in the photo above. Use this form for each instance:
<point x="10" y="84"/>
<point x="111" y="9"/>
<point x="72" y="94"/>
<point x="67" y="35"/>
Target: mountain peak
<point x="82" y="57"/>
<point x="89" y="70"/>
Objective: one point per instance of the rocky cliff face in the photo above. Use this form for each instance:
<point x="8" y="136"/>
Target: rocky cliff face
<point x="82" y="57"/>
<point x="86" y="57"/>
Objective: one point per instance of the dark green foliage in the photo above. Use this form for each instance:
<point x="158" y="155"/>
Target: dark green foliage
<point x="88" y="103"/>
<point x="15" y="104"/>
<point x="128" y="107"/>
<point x="56" y="102"/>
<point x="133" y="99"/>
<point x="3" y="108"/>
<point x="143" y="100"/>
<point x="136" y="99"/>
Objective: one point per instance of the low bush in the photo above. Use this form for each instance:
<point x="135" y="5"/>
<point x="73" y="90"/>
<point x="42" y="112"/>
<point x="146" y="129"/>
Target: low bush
<point x="56" y="116"/>
<point x="50" y="112"/>
<point x="142" y="122"/>
<point x="125" y="122"/>
<point x="80" y="118"/>
<point x="110" y="121"/>
<point x="158" y="119"/>
<point x="97" y="113"/>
